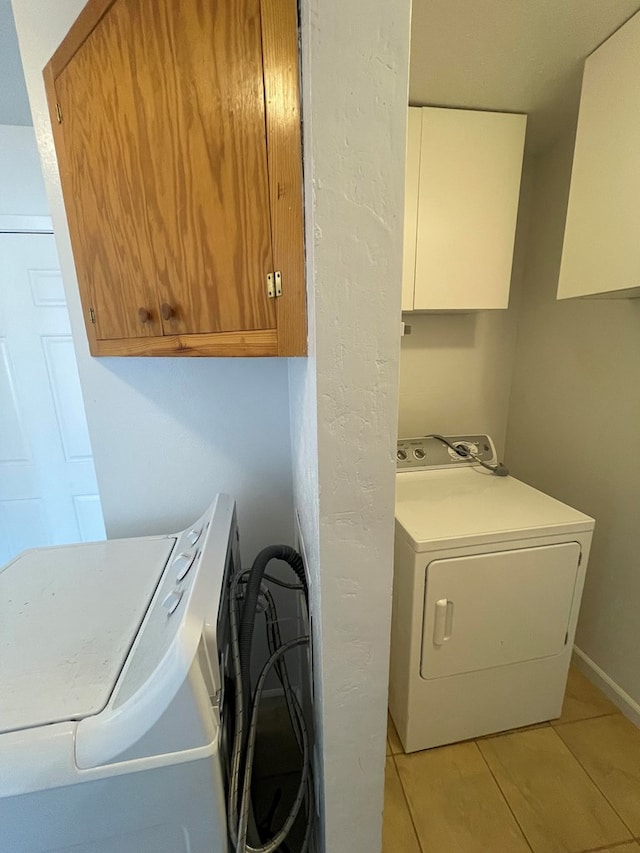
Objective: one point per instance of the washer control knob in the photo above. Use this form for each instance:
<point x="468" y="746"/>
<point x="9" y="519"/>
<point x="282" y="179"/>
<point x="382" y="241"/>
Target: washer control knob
<point x="172" y="601"/>
<point x="192" y="536"/>
<point x="419" y="453"/>
<point x="402" y="455"/>
<point x="183" y="563"/>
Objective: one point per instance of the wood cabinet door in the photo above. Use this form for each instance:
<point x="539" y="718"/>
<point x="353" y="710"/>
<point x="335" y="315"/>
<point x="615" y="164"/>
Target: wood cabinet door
<point x="164" y="167"/>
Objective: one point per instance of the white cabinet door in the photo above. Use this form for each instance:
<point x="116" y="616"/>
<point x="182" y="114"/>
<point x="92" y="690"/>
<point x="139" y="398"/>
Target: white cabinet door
<point x="48" y="491"/>
<point x="469" y="186"/>
<point x="601" y="250"/>
<point x="414" y="136"/>
<point x="495" y="609"/>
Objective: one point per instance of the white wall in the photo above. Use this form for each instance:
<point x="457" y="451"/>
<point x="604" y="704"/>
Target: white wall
<point x="575" y="420"/>
<point x="455" y="374"/>
<point x="22" y="190"/>
<point x="456" y="369"/>
<point x="166" y="433"/>
<point x="344" y="396"/>
<point x="14" y="103"/>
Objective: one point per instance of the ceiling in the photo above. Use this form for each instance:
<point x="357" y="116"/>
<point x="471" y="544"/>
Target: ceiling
<point x="14" y="104"/>
<point x="506" y="55"/>
<point x="509" y="55"/>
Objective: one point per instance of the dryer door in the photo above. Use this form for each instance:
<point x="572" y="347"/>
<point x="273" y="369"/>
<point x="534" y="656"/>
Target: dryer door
<point x="494" y="609"/>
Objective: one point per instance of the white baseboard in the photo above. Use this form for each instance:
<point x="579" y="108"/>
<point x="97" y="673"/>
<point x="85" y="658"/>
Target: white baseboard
<point x="629" y="707"/>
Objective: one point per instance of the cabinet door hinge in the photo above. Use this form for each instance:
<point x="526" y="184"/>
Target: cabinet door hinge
<point x="274" y="284"/>
<point x="59" y="113"/>
<point x="92" y="315"/>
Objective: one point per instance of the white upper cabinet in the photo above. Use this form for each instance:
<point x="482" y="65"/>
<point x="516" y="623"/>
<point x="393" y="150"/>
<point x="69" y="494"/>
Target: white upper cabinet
<point x="601" y="251"/>
<point x="461" y="206"/>
<point x="414" y="134"/>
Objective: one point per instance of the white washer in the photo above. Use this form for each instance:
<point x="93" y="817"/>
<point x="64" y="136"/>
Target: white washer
<point x="488" y="577"/>
<point x="110" y="707"/>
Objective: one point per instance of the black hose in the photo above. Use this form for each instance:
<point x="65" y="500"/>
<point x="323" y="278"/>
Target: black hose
<point x="252" y="591"/>
<point x="500" y="470"/>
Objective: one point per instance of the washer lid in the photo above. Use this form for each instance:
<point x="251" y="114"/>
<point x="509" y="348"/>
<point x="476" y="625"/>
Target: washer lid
<point x="448" y="508"/>
<point x="68" y="617"/>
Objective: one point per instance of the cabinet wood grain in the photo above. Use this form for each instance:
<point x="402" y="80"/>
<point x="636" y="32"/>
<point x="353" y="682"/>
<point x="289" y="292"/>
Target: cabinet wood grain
<point x="259" y="343"/>
<point x="180" y="160"/>
<point x="280" y="45"/>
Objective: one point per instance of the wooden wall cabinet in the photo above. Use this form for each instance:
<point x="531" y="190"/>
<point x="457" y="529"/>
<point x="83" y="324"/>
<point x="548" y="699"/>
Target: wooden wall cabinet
<point x="177" y="131"/>
<point x="461" y="206"/>
<point x="601" y="249"/>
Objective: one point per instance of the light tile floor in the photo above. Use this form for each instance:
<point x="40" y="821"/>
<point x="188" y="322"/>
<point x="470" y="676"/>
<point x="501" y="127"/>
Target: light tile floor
<point x="570" y="786"/>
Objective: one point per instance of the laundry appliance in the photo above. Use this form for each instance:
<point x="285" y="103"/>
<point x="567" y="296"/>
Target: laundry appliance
<point x="488" y="576"/>
<point x="111" y="693"/>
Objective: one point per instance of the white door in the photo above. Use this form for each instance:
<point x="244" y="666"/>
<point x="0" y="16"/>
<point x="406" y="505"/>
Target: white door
<point x="495" y="609"/>
<point x="48" y="491"/>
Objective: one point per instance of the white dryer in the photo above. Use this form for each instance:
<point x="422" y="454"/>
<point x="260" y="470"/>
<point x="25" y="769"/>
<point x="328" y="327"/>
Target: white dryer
<point x="111" y="693"/>
<point x="488" y="576"/>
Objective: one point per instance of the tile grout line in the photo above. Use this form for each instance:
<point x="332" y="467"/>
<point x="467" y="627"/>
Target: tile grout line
<point x="550" y="725"/>
<point x="406" y="800"/>
<point x="609" y="847"/>
<point x="556" y="725"/>
<point x="504" y="797"/>
<point x="534" y="727"/>
<point x="598" y="788"/>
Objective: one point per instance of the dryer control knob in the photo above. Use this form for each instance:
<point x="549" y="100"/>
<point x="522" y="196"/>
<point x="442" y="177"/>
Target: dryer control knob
<point x="172" y="601"/>
<point x="402" y="455"/>
<point x="419" y="453"/>
<point x="183" y="563"/>
<point x="192" y="536"/>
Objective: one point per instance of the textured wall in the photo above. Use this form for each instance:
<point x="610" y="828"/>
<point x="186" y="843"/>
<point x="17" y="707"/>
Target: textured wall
<point x="166" y="433"/>
<point x="22" y="191"/>
<point x="344" y="397"/>
<point x="455" y="374"/>
<point x="574" y="422"/>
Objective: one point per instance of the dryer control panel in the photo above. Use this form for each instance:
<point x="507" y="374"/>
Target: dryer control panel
<point x="432" y="451"/>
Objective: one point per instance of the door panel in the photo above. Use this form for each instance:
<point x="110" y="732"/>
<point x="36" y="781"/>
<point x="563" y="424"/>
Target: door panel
<point x="48" y="491"/>
<point x="66" y="393"/>
<point x="89" y="517"/>
<point x="47" y="290"/>
<point x="183" y="222"/>
<point x="494" y="609"/>
<point x="14" y="444"/>
<point x="23" y="524"/>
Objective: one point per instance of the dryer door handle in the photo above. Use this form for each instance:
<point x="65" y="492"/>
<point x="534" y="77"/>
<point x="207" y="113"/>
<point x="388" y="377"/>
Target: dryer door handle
<point x="443" y="622"/>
